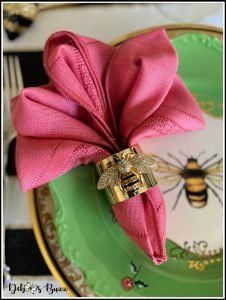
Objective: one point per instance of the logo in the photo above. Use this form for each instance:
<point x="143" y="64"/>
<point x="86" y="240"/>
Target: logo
<point x="35" y="289"/>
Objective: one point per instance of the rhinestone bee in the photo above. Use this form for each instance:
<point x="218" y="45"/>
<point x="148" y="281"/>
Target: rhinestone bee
<point x="124" y="170"/>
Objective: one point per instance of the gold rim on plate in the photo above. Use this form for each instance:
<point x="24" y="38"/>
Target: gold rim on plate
<point x="43" y="245"/>
<point x="172" y="31"/>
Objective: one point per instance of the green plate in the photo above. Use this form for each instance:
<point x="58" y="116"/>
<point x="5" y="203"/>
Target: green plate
<point x="90" y="236"/>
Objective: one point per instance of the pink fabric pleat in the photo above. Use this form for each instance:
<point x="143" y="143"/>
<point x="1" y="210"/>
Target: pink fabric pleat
<point x="143" y="220"/>
<point x="100" y="100"/>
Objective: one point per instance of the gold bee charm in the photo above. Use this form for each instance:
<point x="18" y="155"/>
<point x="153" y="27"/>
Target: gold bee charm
<point x="126" y="174"/>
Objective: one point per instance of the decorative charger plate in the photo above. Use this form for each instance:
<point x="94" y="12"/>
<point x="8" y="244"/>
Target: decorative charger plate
<point x="79" y="237"/>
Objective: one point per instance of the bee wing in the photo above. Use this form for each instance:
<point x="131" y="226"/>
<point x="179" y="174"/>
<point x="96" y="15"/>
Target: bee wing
<point x="142" y="162"/>
<point x="166" y="173"/>
<point x="109" y="177"/>
<point x="214" y="173"/>
<point x="163" y="166"/>
<point x="216" y="181"/>
<point x="215" y="168"/>
<point x="168" y="180"/>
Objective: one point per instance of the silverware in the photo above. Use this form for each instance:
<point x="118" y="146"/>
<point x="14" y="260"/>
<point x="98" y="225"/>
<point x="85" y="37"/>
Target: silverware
<point x="12" y="85"/>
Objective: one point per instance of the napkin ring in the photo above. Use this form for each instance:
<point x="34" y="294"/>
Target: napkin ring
<point x="126" y="174"/>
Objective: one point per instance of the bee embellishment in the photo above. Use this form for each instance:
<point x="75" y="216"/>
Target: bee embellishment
<point x="126" y="174"/>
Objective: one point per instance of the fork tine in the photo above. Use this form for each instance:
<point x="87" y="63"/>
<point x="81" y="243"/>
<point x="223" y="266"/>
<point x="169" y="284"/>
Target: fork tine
<point x="6" y="80"/>
<point x="6" y="77"/>
<point x="18" y="73"/>
<point x="12" y="76"/>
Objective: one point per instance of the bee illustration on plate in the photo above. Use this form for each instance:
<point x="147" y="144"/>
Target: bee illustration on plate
<point x="198" y="178"/>
<point x="125" y="171"/>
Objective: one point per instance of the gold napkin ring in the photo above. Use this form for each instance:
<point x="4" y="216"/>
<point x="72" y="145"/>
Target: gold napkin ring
<point x="126" y="174"/>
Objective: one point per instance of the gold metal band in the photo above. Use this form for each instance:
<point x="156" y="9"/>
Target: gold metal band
<point x="125" y="174"/>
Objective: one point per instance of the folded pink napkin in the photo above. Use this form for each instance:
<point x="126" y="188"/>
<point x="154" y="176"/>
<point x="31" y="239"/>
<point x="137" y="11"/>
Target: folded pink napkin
<point x="100" y="100"/>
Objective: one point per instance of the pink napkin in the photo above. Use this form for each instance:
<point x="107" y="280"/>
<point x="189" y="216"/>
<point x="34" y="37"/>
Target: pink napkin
<point x="100" y="100"/>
